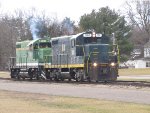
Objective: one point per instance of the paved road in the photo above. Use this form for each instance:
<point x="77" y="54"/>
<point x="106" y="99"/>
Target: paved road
<point x="74" y="90"/>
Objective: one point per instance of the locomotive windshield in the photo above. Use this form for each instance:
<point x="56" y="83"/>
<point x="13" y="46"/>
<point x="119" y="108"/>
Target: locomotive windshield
<point x="45" y="45"/>
<point x="89" y="39"/>
<point x="97" y="52"/>
<point x="42" y="45"/>
<point x="103" y="39"/>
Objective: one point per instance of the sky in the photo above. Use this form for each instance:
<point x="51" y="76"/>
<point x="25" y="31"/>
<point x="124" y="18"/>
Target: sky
<point x="60" y="8"/>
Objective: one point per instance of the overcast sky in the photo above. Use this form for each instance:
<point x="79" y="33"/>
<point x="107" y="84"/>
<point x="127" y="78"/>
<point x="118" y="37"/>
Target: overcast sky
<point x="61" y="8"/>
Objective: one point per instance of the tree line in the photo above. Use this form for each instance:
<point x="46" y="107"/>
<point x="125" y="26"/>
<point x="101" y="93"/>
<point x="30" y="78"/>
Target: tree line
<point x="24" y="26"/>
<point x="130" y="30"/>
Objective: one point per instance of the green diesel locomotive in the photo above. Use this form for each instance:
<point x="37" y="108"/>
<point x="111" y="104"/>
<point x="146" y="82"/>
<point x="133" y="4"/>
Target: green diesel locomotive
<point x="30" y="58"/>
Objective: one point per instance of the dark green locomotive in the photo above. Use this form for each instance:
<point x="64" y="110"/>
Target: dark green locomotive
<point x="86" y="56"/>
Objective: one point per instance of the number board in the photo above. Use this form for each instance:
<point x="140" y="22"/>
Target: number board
<point x="87" y="35"/>
<point x="90" y="35"/>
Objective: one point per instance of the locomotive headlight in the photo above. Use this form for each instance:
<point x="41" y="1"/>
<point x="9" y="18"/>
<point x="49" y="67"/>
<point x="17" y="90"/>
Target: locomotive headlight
<point x="93" y="34"/>
<point x="94" y="64"/>
<point x="112" y="64"/>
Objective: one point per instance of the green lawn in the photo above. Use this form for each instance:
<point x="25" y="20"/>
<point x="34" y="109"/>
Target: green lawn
<point x="15" y="102"/>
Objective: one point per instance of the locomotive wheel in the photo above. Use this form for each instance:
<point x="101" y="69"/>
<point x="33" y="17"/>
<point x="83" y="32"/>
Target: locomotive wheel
<point x="37" y="77"/>
<point x="31" y="77"/>
<point x="23" y="78"/>
<point x="18" y="77"/>
<point x="12" y="75"/>
<point x="50" y="78"/>
<point x="69" y="79"/>
<point x="62" y="79"/>
<point x="88" y="79"/>
<point x="79" y="76"/>
<point x="56" y="78"/>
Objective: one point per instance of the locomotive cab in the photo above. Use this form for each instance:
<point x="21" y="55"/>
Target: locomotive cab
<point x="100" y="63"/>
<point x="42" y="50"/>
<point x="30" y="58"/>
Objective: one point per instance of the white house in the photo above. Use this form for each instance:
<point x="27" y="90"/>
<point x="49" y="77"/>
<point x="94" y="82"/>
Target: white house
<point x="147" y="54"/>
<point x="140" y="62"/>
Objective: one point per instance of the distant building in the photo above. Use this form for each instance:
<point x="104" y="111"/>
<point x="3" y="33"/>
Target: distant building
<point x="147" y="54"/>
<point x="147" y="50"/>
<point x="140" y="57"/>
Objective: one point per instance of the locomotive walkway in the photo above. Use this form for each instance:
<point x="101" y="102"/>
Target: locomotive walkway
<point x="79" y="90"/>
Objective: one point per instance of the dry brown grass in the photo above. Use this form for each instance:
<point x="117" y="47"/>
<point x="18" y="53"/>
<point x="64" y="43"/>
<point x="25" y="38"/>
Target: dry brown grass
<point x="144" y="71"/>
<point x="5" y="74"/>
<point x="15" y="102"/>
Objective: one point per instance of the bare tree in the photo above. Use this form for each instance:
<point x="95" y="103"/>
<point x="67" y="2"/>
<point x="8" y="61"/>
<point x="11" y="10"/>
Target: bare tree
<point x="7" y="41"/>
<point x="16" y="27"/>
<point x="138" y="12"/>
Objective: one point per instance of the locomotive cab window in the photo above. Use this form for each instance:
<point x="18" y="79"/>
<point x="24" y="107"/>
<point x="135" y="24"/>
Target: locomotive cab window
<point x="18" y="46"/>
<point x="54" y="42"/>
<point x="36" y="46"/>
<point x="88" y="40"/>
<point x="45" y="45"/>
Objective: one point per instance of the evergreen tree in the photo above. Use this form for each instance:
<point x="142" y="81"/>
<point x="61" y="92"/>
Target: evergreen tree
<point x="107" y="21"/>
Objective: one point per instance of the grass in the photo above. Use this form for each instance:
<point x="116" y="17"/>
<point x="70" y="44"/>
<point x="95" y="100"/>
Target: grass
<point x="4" y="74"/>
<point x="15" y="102"/>
<point x="133" y="71"/>
<point x="144" y="71"/>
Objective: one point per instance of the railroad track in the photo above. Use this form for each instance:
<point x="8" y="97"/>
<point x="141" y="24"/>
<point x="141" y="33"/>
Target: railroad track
<point x="131" y="83"/>
<point x="138" y="84"/>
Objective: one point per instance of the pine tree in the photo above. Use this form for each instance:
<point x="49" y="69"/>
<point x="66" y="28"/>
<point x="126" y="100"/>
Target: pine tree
<point x="107" y="21"/>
